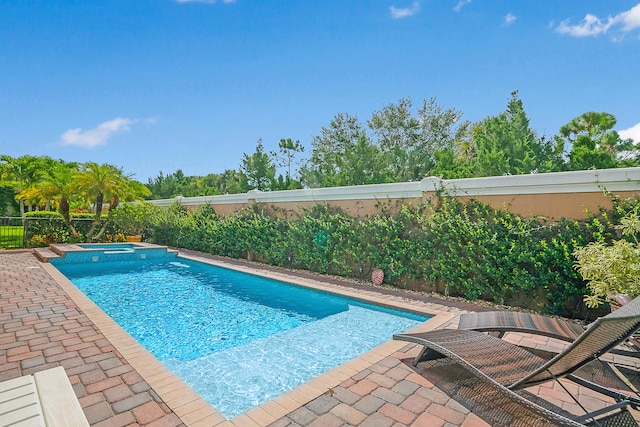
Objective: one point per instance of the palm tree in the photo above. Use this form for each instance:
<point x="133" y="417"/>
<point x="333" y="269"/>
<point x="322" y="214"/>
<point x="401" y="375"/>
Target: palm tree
<point x="58" y="186"/>
<point x="98" y="183"/>
<point x="23" y="173"/>
<point x="133" y="191"/>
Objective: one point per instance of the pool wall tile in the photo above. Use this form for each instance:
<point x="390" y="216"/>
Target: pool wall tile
<point x="86" y="255"/>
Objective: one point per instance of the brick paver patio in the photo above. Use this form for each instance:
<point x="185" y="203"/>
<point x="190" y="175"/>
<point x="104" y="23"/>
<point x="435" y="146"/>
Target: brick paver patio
<point x="41" y="326"/>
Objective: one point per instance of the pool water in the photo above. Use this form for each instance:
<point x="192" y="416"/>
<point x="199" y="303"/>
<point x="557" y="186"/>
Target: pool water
<point x="238" y="340"/>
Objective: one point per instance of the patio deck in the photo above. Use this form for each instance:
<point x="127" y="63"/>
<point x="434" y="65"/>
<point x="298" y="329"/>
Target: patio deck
<point x="46" y="322"/>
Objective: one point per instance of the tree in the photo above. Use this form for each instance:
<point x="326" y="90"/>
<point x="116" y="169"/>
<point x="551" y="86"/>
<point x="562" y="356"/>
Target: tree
<point x="208" y="185"/>
<point x="98" y="183"/>
<point x="288" y="149"/>
<point x="334" y="158"/>
<point x="398" y="135"/>
<point x="595" y="145"/>
<point x="57" y="185"/>
<point x="158" y="187"/>
<point x="132" y="191"/>
<point x="451" y="165"/>
<point x="411" y="144"/>
<point x="233" y="182"/>
<point x="505" y="144"/>
<point x="22" y="173"/>
<point x="259" y="169"/>
<point x="362" y="164"/>
<point x="175" y="184"/>
<point x="8" y="203"/>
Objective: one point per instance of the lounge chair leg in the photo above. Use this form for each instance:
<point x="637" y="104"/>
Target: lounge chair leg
<point x="605" y="390"/>
<point x="592" y="415"/>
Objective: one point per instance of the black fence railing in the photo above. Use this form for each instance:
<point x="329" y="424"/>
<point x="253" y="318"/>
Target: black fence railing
<point x="11" y="233"/>
<point x="16" y="232"/>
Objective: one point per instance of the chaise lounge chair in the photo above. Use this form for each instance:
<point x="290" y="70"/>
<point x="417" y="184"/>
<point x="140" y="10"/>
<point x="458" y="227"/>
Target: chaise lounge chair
<point x="511" y="368"/>
<point x="45" y="398"/>
<point x="500" y="322"/>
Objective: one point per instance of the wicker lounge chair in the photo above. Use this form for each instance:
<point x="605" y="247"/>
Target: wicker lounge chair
<point x="512" y="368"/>
<point x="500" y="322"/>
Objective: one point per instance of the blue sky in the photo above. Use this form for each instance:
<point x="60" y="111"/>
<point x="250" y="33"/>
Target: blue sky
<point x="151" y="85"/>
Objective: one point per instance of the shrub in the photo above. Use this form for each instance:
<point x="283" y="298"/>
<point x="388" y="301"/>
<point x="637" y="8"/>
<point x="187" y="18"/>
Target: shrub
<point x="167" y="224"/>
<point x="480" y="252"/>
<point x="46" y="227"/>
<point x="467" y="249"/>
<point x="614" y="268"/>
<point x="133" y="219"/>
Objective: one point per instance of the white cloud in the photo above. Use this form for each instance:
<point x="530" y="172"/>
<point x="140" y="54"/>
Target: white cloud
<point x="591" y="25"/>
<point x="510" y="19"/>
<point x="98" y="136"/>
<point x="633" y="132"/>
<point x="461" y="4"/>
<point x="630" y="19"/>
<point x="404" y="12"/>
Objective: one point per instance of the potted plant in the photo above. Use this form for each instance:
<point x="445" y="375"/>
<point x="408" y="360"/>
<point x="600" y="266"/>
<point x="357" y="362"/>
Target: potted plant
<point x="133" y="219"/>
<point x="614" y="269"/>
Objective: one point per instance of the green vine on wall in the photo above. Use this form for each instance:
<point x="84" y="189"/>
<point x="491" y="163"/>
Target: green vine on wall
<point x="465" y="249"/>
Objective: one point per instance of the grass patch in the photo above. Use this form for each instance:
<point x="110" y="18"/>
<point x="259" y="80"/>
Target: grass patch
<point x="11" y="236"/>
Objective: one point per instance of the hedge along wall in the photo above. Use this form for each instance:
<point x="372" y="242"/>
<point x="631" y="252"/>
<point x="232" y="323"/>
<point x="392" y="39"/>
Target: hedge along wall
<point x="503" y="239"/>
<point x="552" y="195"/>
<point x="455" y="247"/>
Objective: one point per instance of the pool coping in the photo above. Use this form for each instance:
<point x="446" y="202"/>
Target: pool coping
<point x="195" y="411"/>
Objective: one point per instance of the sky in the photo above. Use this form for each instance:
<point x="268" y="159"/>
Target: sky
<point x="162" y="85"/>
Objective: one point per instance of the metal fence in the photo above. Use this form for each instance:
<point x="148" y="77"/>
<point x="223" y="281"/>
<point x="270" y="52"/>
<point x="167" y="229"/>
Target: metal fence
<point x="16" y="232"/>
<point x="12" y="232"/>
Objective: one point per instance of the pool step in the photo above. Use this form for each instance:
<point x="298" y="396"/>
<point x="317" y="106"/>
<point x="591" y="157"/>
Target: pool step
<point x="60" y="249"/>
<point x="120" y="251"/>
<point x="45" y="254"/>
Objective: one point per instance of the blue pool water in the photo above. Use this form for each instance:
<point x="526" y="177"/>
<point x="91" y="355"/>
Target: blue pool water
<point x="238" y="340"/>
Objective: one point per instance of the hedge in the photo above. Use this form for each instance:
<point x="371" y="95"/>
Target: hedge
<point x="460" y="249"/>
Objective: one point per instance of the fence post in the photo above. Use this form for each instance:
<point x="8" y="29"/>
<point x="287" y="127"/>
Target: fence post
<point x="24" y="232"/>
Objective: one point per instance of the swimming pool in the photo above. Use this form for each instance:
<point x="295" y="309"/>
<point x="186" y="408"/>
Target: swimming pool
<point x="238" y="340"/>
